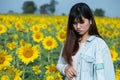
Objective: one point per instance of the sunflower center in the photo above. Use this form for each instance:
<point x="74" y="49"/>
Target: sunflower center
<point x="2" y="59"/>
<point x="38" y="36"/>
<point x="28" y="52"/>
<point x="52" y="69"/>
<point x="35" y="28"/>
<point x="18" y="25"/>
<point x="49" y="43"/>
<point x="0" y="28"/>
<point x="62" y="36"/>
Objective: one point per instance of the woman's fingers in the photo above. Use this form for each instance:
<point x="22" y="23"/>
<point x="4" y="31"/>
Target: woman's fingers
<point x="70" y="72"/>
<point x="69" y="76"/>
<point x="74" y="72"/>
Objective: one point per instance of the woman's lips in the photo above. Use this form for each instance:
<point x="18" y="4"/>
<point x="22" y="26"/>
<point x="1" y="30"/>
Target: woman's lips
<point x="79" y="30"/>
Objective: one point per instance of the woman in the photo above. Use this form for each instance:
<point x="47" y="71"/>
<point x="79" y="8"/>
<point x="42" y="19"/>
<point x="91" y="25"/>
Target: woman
<point x="85" y="55"/>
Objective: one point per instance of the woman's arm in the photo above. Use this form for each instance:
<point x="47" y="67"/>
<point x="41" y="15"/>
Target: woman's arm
<point x="61" y="64"/>
<point x="108" y="65"/>
<point x="103" y="68"/>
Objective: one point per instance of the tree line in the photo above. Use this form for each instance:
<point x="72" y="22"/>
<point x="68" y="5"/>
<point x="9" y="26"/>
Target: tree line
<point x="29" y="7"/>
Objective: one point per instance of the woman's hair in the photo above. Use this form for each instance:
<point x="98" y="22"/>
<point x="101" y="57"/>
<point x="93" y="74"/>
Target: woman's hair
<point x="71" y="45"/>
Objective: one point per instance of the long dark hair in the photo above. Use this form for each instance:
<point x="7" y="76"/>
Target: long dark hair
<point x="71" y="45"/>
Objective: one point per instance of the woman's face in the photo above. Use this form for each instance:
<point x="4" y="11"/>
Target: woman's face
<point x="82" y="28"/>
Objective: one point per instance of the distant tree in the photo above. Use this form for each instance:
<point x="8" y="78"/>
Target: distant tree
<point x="48" y="8"/>
<point x="52" y="6"/>
<point x="99" y="12"/>
<point x="63" y="14"/>
<point x="11" y="12"/>
<point x="29" y="7"/>
<point x="44" y="9"/>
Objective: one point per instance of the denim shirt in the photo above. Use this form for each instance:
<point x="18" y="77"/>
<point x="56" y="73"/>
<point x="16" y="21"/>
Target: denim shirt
<point x="94" y="61"/>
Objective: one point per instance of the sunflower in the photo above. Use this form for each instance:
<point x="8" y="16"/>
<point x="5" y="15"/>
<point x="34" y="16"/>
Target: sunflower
<point x="19" y="25"/>
<point x="15" y="73"/>
<point x="116" y="32"/>
<point x="22" y="42"/>
<point x="37" y="37"/>
<point x="9" y="23"/>
<point x="105" y="32"/>
<point x="5" y="59"/>
<point x="49" y="43"/>
<point x="50" y="68"/>
<point x="5" y="77"/>
<point x="3" y="29"/>
<point x="36" y="69"/>
<point x="43" y="26"/>
<point x="28" y="53"/>
<point x="118" y="74"/>
<point x="35" y="28"/>
<point x="61" y="35"/>
<point x="12" y="45"/>
<point x="109" y="34"/>
<point x="50" y="77"/>
<point x="64" y="28"/>
<point x="114" y="54"/>
<point x="59" y="76"/>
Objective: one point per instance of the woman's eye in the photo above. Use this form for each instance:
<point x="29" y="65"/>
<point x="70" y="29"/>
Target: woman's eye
<point x="74" y="23"/>
<point x="82" y="22"/>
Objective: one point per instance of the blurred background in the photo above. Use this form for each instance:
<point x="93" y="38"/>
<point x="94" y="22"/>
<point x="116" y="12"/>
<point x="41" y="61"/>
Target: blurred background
<point x="32" y="33"/>
<point x="108" y="8"/>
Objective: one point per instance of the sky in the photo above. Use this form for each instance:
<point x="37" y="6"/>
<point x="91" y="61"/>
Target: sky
<point x="111" y="7"/>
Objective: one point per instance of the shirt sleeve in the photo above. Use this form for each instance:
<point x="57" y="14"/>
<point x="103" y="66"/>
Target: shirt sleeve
<point x="99" y="67"/>
<point x="61" y="64"/>
<point x="108" y="65"/>
<point x="104" y="69"/>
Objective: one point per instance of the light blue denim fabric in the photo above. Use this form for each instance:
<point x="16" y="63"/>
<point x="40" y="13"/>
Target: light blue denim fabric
<point x="94" y="62"/>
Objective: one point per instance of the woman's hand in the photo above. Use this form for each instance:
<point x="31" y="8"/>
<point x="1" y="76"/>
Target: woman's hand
<point x="70" y="72"/>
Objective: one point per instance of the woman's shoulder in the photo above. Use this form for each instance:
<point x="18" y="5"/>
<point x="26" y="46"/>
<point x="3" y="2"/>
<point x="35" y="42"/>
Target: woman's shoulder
<point x="97" y="39"/>
<point x="100" y="41"/>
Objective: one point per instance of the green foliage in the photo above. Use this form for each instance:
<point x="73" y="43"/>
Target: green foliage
<point x="29" y="7"/>
<point x="52" y="6"/>
<point x="48" y="8"/>
<point x="44" y="9"/>
<point x="99" y="12"/>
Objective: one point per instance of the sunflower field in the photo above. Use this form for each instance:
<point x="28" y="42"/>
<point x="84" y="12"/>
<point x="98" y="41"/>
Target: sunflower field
<point x="30" y="45"/>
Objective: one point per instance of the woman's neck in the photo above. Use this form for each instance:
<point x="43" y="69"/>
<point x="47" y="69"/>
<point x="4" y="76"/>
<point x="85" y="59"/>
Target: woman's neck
<point x="84" y="38"/>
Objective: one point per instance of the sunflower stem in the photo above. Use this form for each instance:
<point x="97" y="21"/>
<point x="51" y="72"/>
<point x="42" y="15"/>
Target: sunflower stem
<point x="23" y="73"/>
<point x="28" y="37"/>
<point x="48" y="57"/>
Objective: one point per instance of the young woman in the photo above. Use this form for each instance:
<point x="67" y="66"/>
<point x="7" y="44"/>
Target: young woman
<point x="85" y="55"/>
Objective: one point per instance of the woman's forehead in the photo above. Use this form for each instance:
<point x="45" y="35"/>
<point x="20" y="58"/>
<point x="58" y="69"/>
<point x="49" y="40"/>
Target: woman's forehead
<point x="78" y="19"/>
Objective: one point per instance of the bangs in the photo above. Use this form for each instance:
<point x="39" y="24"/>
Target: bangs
<point x="78" y="19"/>
<point x="77" y="15"/>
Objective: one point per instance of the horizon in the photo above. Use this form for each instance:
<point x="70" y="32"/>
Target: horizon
<point x="110" y="7"/>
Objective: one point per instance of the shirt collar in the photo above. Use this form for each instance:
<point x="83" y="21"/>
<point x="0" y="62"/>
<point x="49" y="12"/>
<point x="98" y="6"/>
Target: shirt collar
<point x="91" y="38"/>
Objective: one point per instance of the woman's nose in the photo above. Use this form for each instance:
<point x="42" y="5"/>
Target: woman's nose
<point x="78" y="25"/>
